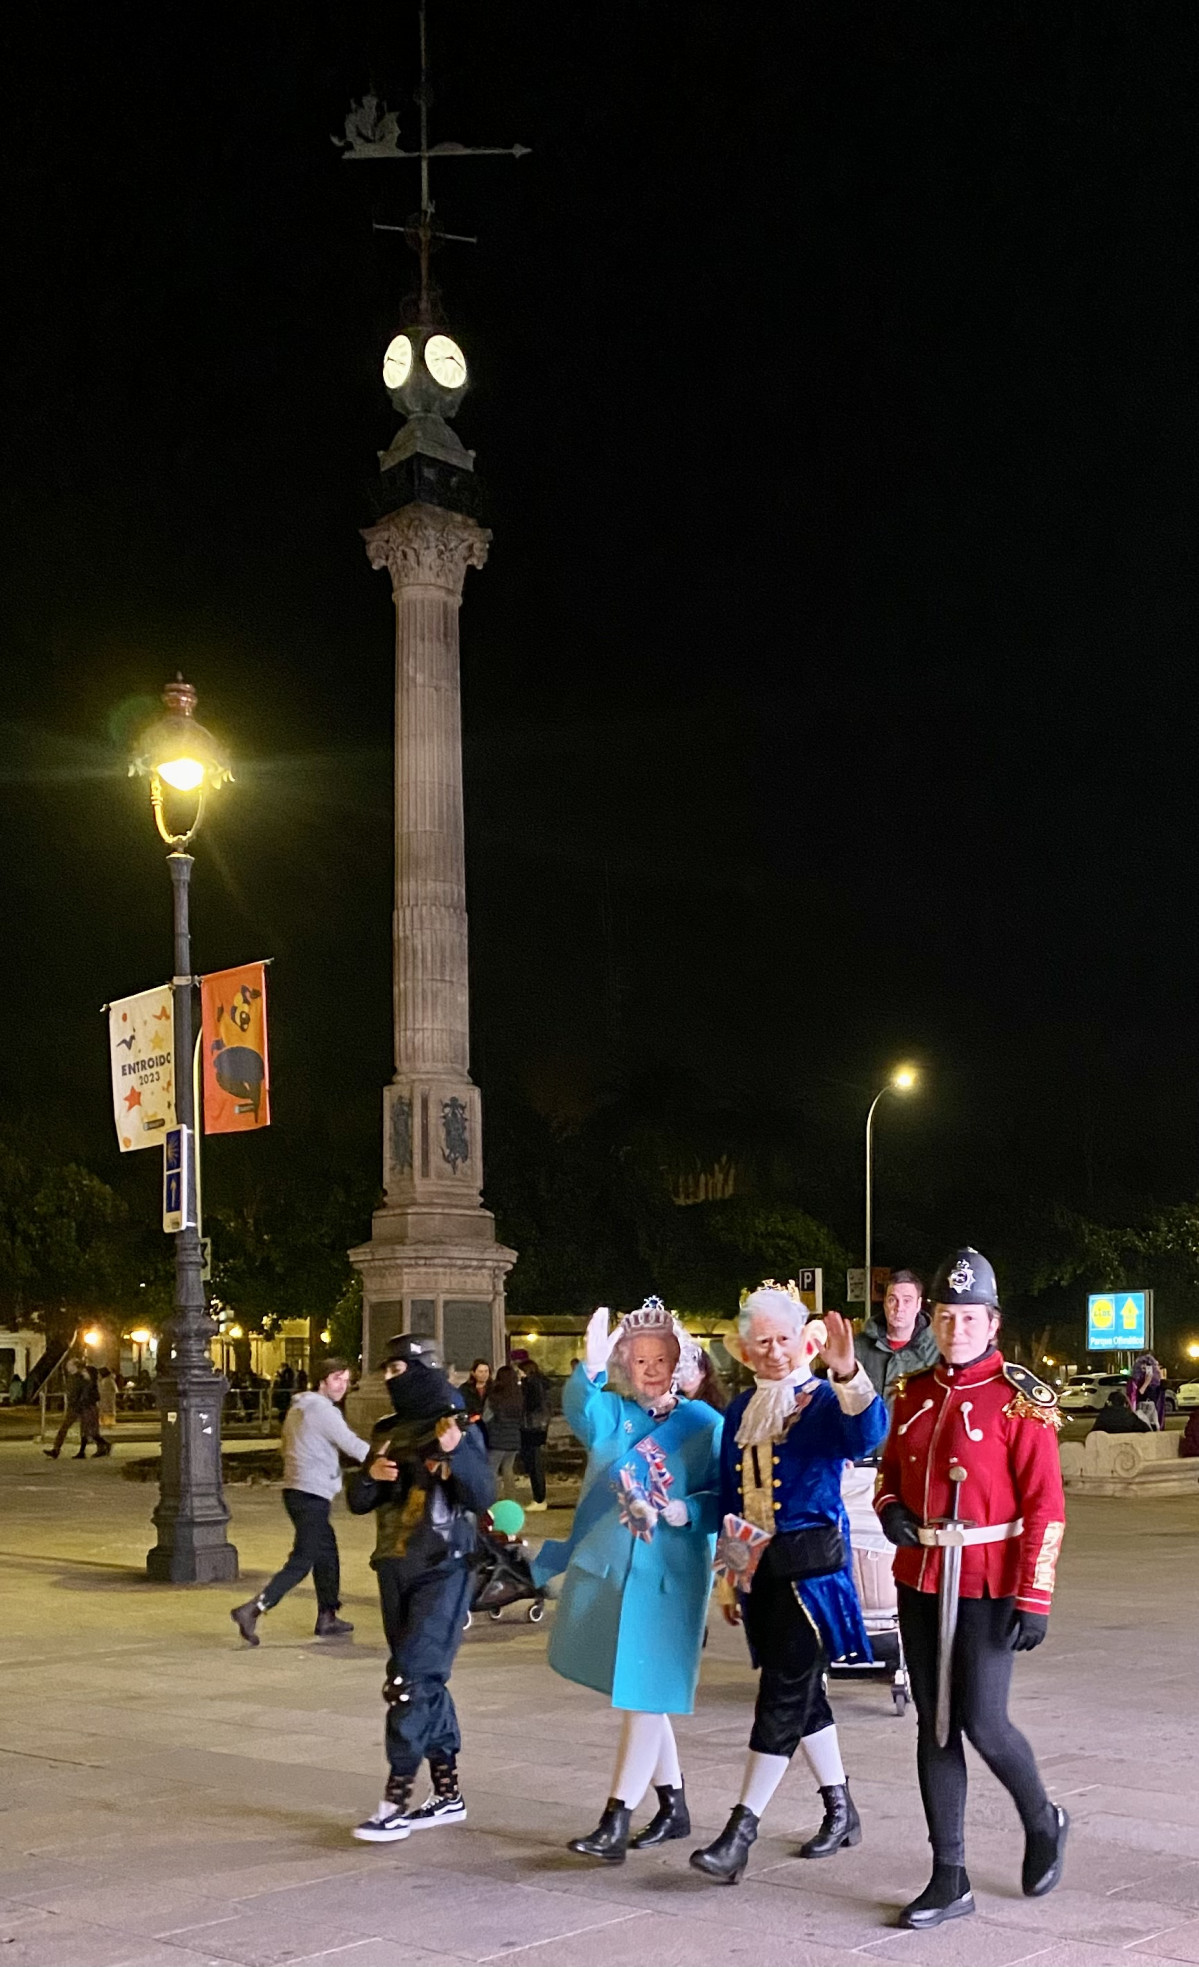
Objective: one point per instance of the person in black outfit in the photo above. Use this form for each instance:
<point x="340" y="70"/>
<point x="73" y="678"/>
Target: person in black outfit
<point x="1117" y="1417"/>
<point x="534" y="1428"/>
<point x="426" y="1476"/>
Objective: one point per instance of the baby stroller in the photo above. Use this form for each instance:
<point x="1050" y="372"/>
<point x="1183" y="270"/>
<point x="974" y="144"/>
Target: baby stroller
<point x="502" y="1576"/>
<point x="877" y="1595"/>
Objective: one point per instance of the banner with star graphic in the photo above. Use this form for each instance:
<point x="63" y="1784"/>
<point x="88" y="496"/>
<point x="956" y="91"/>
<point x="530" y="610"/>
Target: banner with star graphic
<point x="141" y="1043"/>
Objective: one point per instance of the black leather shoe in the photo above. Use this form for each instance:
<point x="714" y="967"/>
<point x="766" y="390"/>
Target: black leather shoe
<point x="245" y="1618"/>
<point x="329" y="1626"/>
<point x="946" y="1896"/>
<point x="1044" y="1855"/>
<point x="672" y="1819"/>
<point x="727" y="1858"/>
<point x="610" y="1838"/>
<point x="842" y="1824"/>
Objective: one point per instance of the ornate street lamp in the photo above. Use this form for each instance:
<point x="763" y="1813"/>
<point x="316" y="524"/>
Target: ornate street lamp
<point x="902" y="1080"/>
<point x="177" y="752"/>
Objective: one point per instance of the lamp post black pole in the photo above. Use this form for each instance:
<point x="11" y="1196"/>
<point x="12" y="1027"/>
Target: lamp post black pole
<point x="192" y="1513"/>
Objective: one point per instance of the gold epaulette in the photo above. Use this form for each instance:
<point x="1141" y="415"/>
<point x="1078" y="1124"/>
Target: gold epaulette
<point x="1032" y="1399"/>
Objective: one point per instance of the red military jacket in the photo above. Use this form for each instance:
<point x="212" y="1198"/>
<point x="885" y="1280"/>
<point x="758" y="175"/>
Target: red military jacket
<point x="1000" y="1422"/>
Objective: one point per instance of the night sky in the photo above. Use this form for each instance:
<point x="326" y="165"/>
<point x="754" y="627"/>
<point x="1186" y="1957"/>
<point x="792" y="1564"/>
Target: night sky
<point x="830" y="691"/>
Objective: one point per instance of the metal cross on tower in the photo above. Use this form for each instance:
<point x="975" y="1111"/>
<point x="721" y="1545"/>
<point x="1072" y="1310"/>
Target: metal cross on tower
<point x="372" y="131"/>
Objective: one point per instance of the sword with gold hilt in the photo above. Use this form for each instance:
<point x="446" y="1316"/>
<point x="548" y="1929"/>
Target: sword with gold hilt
<point x="949" y="1538"/>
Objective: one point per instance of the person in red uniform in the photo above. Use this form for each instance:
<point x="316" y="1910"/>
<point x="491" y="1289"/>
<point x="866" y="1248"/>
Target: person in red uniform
<point x="975" y="1411"/>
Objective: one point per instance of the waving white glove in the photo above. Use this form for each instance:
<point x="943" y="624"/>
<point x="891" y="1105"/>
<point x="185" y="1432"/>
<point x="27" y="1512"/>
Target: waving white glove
<point x="598" y="1343"/>
<point x="676" y="1514"/>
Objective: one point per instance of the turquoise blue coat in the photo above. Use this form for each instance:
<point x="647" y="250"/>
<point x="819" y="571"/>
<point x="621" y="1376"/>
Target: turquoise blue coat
<point x="630" y="1620"/>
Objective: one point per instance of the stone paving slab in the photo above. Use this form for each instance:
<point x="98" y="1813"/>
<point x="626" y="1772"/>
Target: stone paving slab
<point x="169" y="1797"/>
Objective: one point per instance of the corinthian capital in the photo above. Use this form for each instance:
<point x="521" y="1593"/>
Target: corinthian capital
<point x="425" y="546"/>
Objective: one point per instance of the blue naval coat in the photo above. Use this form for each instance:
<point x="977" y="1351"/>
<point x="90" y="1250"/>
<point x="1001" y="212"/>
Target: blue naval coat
<point x="805" y="1477"/>
<point x="631" y="1617"/>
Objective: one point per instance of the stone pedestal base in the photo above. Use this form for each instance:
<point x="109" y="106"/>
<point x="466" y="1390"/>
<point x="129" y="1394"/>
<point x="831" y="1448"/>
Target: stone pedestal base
<point x="448" y="1286"/>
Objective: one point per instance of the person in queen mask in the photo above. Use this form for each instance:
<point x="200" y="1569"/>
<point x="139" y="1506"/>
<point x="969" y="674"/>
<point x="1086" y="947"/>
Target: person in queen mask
<point x="638" y="1561"/>
<point x="784" y="1557"/>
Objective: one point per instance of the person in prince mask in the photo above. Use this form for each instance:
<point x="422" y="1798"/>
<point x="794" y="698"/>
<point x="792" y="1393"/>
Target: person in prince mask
<point x="638" y="1560"/>
<point x="784" y="1558"/>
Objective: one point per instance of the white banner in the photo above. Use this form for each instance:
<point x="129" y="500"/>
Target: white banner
<point x="141" y="1041"/>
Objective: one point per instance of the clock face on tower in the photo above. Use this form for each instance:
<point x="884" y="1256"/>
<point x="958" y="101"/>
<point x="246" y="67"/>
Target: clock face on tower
<point x="445" y="361"/>
<point x="397" y="362"/>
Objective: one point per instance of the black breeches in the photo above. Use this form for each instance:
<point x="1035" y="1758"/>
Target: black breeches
<point x="423" y="1617"/>
<point x="982" y="1678"/>
<point x="314" y="1549"/>
<point x="787" y="1647"/>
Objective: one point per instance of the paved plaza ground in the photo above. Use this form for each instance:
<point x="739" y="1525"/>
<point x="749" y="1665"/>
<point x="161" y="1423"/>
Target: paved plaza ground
<point x="171" y="1798"/>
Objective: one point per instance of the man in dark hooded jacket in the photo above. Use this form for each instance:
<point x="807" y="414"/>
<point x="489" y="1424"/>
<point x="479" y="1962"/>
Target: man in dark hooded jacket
<point x="425" y="1477"/>
<point x="897" y="1340"/>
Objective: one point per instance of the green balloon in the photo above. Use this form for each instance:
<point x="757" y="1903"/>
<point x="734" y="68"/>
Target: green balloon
<point x="508" y="1518"/>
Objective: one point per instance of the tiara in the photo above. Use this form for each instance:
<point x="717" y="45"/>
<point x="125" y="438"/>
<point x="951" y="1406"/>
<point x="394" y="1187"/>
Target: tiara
<point x="788" y="1290"/>
<point x="652" y="1316"/>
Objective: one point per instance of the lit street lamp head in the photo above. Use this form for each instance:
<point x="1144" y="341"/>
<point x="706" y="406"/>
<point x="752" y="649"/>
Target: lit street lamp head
<point x="175" y="750"/>
<point x="903" y="1079"/>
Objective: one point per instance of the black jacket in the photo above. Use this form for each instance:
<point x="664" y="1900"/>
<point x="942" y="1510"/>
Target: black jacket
<point x="425" y="1518"/>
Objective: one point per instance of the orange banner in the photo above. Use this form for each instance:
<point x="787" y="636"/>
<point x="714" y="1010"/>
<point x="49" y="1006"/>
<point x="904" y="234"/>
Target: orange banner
<point x="237" y="1086"/>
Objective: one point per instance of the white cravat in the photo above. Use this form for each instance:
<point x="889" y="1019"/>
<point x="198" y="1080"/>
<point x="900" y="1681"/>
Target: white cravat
<point x="770" y="1405"/>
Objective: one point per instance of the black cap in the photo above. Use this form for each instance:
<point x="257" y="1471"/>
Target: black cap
<point x="412" y="1349"/>
<point x="965" y="1278"/>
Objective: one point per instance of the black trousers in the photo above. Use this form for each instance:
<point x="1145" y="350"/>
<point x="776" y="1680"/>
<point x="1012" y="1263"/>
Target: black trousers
<point x="982" y="1678"/>
<point x="532" y="1454"/>
<point x="315" y="1550"/>
<point x="423" y="1617"/>
<point x="789" y="1650"/>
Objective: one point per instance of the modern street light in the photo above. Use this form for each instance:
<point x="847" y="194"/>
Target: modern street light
<point x="902" y="1080"/>
<point x="177" y="752"/>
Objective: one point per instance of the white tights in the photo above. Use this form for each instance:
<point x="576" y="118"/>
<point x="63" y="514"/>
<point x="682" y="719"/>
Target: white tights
<point x="764" y="1773"/>
<point x="647" y="1754"/>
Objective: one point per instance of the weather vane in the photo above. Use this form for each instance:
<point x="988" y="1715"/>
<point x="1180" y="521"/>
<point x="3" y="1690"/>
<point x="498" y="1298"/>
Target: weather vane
<point x="373" y="131"/>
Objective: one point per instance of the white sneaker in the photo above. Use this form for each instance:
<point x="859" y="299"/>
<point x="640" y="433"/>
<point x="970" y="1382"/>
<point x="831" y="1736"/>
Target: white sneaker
<point x="438" y="1810"/>
<point x="530" y="1507"/>
<point x="388" y="1825"/>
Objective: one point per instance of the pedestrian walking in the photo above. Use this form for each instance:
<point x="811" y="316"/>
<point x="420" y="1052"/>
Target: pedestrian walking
<point x="534" y="1429"/>
<point x="426" y="1477"/>
<point x="80" y="1408"/>
<point x="783" y="1448"/>
<point x="503" y="1419"/>
<point x="638" y="1560"/>
<point x="973" y="1440"/>
<point x="315" y="1436"/>
<point x="108" y="1397"/>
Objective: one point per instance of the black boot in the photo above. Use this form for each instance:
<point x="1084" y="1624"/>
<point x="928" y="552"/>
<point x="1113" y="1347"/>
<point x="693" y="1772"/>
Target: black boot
<point x="329" y="1626"/>
<point x="672" y="1819"/>
<point x="727" y="1858"/>
<point x="1044" y="1853"/>
<point x="610" y="1838"/>
<point x="946" y="1896"/>
<point x="245" y="1618"/>
<point x="842" y="1824"/>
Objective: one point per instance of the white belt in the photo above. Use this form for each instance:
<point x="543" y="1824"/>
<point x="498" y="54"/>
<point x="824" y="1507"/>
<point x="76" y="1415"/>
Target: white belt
<point x="989" y="1533"/>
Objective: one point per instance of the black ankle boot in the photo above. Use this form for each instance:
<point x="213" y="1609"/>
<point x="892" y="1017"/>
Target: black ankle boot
<point x="329" y="1626"/>
<point x="727" y="1858"/>
<point x="1044" y="1853"/>
<point x="672" y="1819"/>
<point x="610" y="1838"/>
<point x="946" y="1896"/>
<point x="245" y="1618"/>
<point x="842" y="1824"/>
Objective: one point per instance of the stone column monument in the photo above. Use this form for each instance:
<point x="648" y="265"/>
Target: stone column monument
<point x="432" y="1264"/>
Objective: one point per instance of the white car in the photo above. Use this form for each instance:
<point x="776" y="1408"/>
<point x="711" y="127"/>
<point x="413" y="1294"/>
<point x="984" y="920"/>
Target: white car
<point x="1188" y="1395"/>
<point x="1086" y="1393"/>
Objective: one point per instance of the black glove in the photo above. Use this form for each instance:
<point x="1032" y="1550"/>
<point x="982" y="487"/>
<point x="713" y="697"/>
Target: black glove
<point x="899" y="1525"/>
<point x="1029" y="1630"/>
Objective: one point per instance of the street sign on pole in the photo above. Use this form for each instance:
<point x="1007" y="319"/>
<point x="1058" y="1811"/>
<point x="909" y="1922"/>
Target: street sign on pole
<point x="811" y="1290"/>
<point x="176" y="1188"/>
<point x="855" y="1287"/>
<point x="206" y="1260"/>
<point x="1118" y="1321"/>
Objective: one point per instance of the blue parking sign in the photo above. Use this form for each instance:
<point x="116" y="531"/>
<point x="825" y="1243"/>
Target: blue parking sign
<point x="176" y="1150"/>
<point x="1117" y="1321"/>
